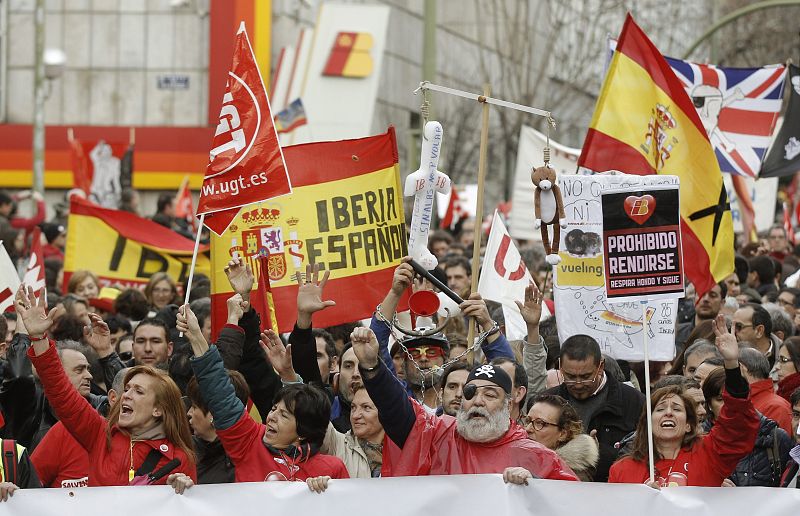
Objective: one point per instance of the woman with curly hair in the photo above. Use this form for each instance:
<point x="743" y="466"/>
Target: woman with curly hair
<point x="552" y="422"/>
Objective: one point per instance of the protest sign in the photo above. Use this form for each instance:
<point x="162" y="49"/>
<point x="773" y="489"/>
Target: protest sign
<point x="642" y="242"/>
<point x="345" y="214"/>
<point x="582" y="306"/>
<point x="122" y="248"/>
<point x="444" y="493"/>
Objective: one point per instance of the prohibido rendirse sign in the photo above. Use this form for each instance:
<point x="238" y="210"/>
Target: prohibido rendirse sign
<point x="642" y="240"/>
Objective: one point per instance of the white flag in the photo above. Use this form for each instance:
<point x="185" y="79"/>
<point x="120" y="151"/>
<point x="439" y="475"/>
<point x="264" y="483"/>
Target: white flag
<point x="504" y="278"/>
<point x="9" y="279"/>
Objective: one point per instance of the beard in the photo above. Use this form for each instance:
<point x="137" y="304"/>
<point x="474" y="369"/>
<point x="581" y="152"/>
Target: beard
<point x="486" y="429"/>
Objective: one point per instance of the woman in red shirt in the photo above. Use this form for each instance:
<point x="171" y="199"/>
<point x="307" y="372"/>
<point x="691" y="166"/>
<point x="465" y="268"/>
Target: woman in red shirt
<point x="147" y="426"/>
<point x="683" y="456"/>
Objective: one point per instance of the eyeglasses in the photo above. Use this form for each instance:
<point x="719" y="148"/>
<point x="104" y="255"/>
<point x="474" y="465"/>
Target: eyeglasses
<point x="784" y="360"/>
<point x="739" y="326"/>
<point x="125" y="356"/>
<point x="430" y="352"/>
<point x="570" y="379"/>
<point x="538" y="423"/>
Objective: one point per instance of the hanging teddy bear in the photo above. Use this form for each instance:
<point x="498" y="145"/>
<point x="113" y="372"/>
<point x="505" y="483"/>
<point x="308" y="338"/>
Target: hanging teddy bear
<point x="549" y="209"/>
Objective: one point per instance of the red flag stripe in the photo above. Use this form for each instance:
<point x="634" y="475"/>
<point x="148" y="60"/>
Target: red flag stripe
<point x="770" y="83"/>
<point x="710" y="76"/>
<point x="752" y="123"/>
<point x="136" y="228"/>
<point x="640" y="49"/>
<point x="608" y="153"/>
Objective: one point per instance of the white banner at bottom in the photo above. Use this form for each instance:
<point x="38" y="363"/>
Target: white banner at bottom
<point x="456" y="495"/>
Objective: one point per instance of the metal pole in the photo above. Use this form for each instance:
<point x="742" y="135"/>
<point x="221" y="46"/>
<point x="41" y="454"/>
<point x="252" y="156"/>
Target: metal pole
<point x="40" y="95"/>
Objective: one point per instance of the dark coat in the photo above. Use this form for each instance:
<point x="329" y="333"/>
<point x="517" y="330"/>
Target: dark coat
<point x="756" y="469"/>
<point x="613" y="422"/>
<point x="213" y="465"/>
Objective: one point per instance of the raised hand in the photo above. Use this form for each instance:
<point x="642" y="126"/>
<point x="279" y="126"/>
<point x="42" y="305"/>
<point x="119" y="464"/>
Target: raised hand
<point x="240" y="276"/>
<point x="98" y="336"/>
<point x="726" y="342"/>
<point x="33" y="312"/>
<point x="365" y="346"/>
<point x="236" y="308"/>
<point x="280" y="356"/>
<point x="531" y="311"/>
<point x="187" y="324"/>
<point x="309" y="295"/>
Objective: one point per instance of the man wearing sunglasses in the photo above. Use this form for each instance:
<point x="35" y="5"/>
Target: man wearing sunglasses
<point x="480" y="439"/>
<point x="752" y="323"/>
<point x="606" y="406"/>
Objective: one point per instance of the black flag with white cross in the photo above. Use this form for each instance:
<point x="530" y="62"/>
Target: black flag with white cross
<point x="783" y="158"/>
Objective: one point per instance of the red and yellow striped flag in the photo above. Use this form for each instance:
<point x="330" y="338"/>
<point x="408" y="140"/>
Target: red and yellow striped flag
<point x="644" y="123"/>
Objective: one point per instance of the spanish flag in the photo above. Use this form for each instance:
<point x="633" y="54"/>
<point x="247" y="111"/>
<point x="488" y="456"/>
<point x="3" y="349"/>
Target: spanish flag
<point x="644" y="123"/>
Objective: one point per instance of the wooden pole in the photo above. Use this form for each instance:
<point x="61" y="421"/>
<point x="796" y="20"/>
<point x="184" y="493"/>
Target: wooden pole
<point x="476" y="234"/>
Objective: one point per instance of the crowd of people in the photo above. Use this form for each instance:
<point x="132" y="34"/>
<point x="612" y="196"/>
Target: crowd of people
<point x="109" y="386"/>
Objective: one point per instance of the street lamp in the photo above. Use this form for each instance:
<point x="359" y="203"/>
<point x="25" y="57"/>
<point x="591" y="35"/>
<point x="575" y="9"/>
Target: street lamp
<point x="49" y="66"/>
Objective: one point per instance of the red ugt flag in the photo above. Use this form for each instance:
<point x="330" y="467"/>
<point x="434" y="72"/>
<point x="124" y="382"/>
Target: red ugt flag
<point x="246" y="162"/>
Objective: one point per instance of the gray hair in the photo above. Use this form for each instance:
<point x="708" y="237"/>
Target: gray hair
<point x="780" y="319"/>
<point x="119" y="380"/>
<point x="701" y="346"/>
<point x="755" y="362"/>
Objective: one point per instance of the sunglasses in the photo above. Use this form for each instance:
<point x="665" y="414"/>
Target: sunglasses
<point x="126" y="355"/>
<point x="429" y="352"/>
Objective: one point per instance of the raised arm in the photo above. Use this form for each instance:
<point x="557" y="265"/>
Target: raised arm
<point x="736" y="428"/>
<point x="215" y="385"/>
<point x="534" y="352"/>
<point x="309" y="301"/>
<point x="395" y="411"/>
<point x="72" y="409"/>
<point x="401" y="280"/>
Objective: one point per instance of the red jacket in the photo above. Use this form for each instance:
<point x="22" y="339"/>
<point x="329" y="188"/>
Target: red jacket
<point x="60" y="461"/>
<point x="253" y="462"/>
<point x="434" y="447"/>
<point x="712" y="458"/>
<point x="771" y="405"/>
<point x="107" y="467"/>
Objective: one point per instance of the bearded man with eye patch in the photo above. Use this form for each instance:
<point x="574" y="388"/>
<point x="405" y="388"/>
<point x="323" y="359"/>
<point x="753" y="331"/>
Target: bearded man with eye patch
<point x="482" y="438"/>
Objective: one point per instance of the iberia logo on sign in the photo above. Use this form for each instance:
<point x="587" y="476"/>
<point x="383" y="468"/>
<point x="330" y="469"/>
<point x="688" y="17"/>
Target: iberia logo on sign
<point x="350" y="55"/>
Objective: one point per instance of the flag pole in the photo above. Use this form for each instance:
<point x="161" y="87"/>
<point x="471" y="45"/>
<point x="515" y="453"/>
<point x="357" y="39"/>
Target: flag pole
<point x="476" y="233"/>
<point x="194" y="258"/>
<point x="646" y="329"/>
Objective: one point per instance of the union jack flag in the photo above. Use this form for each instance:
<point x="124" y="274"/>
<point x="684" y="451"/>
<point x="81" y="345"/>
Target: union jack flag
<point x="738" y="107"/>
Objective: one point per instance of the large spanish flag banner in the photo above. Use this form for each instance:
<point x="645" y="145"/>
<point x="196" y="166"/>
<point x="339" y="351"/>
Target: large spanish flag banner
<point x="122" y="248"/>
<point x="345" y="213"/>
<point x="645" y="123"/>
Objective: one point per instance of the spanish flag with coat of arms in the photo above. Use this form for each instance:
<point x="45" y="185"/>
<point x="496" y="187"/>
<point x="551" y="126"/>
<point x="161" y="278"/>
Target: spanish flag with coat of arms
<point x="645" y="123"/>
